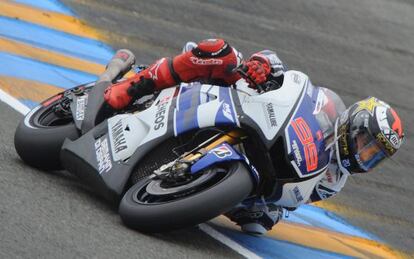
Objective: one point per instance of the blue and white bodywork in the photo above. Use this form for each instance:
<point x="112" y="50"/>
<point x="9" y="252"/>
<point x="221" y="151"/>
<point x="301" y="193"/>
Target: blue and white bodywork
<point x="201" y="106"/>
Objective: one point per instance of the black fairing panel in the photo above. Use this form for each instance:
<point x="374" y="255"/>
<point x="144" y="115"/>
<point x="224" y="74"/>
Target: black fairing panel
<point x="79" y="158"/>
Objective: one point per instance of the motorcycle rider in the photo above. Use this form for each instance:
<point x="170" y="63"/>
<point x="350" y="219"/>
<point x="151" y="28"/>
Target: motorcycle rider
<point x="362" y="136"/>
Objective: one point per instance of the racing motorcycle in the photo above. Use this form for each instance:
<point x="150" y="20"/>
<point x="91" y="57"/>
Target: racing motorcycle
<point x="186" y="154"/>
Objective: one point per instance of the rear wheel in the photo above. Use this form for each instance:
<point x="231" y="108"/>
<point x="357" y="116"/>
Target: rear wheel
<point x="40" y="135"/>
<point x="158" y="205"/>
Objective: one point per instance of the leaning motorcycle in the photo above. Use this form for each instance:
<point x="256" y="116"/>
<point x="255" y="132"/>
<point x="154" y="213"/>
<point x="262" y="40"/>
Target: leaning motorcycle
<point x="186" y="154"/>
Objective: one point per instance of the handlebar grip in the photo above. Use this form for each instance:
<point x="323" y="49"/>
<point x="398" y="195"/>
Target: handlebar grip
<point x="243" y="73"/>
<point x="120" y="63"/>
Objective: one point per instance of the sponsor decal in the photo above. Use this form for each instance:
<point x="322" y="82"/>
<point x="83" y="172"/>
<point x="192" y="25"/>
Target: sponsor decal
<point x="160" y="114"/>
<point x="205" y="62"/>
<point x="298" y="195"/>
<point x="118" y="137"/>
<point x="342" y="140"/>
<point x="80" y="107"/>
<point x="304" y="133"/>
<point x="358" y="159"/>
<point x="296" y="78"/>
<point x="346" y="163"/>
<point x="368" y="105"/>
<point x="102" y="155"/>
<point x="153" y="71"/>
<point x="222" y="151"/>
<point x="324" y="192"/>
<point x="388" y="134"/>
<point x="271" y="115"/>
<point x="392" y="137"/>
<point x="387" y="143"/>
<point x="227" y="111"/>
<point x="296" y="152"/>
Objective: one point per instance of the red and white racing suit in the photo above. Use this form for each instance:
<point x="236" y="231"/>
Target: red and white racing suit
<point x="213" y="61"/>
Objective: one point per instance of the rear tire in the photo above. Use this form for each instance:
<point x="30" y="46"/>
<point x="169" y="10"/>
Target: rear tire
<point x="39" y="145"/>
<point x="188" y="209"/>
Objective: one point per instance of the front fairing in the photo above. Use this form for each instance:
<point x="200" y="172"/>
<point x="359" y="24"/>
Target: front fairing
<point x="305" y="142"/>
<point x="290" y="113"/>
<point x="288" y="122"/>
<point x="270" y="111"/>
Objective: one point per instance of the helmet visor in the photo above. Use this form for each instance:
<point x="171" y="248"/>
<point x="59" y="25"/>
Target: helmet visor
<point x="367" y="151"/>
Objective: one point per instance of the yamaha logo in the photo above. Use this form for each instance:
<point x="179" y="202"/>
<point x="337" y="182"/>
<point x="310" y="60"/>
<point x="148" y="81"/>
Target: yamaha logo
<point x="119" y="137"/>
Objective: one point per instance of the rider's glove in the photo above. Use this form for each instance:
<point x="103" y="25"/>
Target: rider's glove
<point x="120" y="95"/>
<point x="256" y="71"/>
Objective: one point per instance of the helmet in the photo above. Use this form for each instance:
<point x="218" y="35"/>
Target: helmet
<point x="367" y="132"/>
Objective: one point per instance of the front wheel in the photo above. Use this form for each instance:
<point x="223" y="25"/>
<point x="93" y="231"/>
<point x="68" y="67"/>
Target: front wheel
<point x="158" y="206"/>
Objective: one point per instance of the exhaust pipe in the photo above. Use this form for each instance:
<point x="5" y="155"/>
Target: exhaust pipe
<point x="119" y="65"/>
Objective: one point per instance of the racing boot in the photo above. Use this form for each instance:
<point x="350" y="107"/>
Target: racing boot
<point x="257" y="218"/>
<point x="122" y="94"/>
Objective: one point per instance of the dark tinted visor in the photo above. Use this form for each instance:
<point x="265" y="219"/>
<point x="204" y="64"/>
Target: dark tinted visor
<point x="367" y="151"/>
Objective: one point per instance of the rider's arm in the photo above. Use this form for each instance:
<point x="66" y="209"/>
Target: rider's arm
<point x="213" y="60"/>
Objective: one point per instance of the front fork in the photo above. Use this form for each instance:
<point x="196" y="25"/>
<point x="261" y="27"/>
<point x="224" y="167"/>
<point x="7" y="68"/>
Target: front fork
<point x="218" y="151"/>
<point x="233" y="137"/>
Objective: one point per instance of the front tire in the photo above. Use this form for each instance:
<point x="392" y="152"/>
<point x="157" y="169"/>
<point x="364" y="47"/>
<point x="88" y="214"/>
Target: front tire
<point x="152" y="214"/>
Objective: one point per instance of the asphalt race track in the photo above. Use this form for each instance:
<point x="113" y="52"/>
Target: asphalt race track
<point x="358" y="48"/>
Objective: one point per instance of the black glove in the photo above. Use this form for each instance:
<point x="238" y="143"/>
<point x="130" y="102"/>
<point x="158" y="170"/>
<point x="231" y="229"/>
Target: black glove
<point x="141" y="88"/>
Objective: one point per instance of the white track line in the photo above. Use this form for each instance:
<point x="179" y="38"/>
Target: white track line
<point x="13" y="102"/>
<point x="227" y="241"/>
<point x="23" y="109"/>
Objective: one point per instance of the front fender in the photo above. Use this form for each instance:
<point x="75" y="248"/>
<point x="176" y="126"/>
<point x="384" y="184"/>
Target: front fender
<point x="223" y="153"/>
